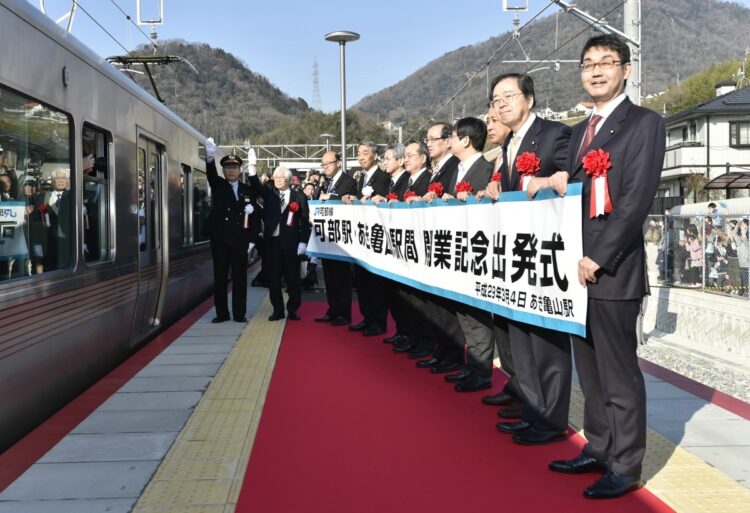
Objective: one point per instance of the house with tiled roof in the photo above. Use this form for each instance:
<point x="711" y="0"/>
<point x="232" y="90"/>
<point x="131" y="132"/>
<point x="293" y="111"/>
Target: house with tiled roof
<point x="711" y="140"/>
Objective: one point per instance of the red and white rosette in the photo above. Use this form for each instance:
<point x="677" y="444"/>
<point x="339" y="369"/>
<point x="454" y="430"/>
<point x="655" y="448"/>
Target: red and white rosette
<point x="392" y="196"/>
<point x="248" y="210"/>
<point x="293" y="209"/>
<point x="464" y="186"/>
<point x="527" y="165"/>
<point x="409" y="194"/>
<point x="437" y="188"/>
<point x="44" y="213"/>
<point x="495" y="177"/>
<point x="597" y="163"/>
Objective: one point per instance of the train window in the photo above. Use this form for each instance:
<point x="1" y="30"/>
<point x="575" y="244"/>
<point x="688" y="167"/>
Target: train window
<point x="201" y="205"/>
<point x="35" y="188"/>
<point x="185" y="203"/>
<point x="96" y="184"/>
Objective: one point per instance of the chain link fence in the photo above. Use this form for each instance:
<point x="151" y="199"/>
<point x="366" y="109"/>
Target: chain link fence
<point x="707" y="252"/>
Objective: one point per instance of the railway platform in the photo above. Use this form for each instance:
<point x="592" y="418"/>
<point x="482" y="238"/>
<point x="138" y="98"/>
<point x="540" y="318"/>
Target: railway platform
<point x="295" y="416"/>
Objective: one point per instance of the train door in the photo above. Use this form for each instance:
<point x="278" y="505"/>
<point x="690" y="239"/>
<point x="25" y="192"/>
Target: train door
<point x="151" y="236"/>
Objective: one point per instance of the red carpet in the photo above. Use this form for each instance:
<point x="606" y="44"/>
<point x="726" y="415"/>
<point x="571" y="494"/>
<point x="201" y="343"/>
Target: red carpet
<point x="348" y="426"/>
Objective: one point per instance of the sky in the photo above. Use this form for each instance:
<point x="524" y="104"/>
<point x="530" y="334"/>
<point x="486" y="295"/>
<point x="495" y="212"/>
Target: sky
<point x="281" y="39"/>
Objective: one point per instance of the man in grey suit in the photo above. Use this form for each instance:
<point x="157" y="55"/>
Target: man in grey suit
<point x="467" y="142"/>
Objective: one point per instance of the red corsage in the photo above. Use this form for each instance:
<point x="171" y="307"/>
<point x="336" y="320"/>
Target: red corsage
<point x="409" y="194"/>
<point x="597" y="163"/>
<point x="293" y="209"/>
<point x="44" y="213"/>
<point x="527" y="165"/>
<point x="437" y="188"/>
<point x="495" y="177"/>
<point x="391" y="196"/>
<point x="464" y="186"/>
<point x="43" y="208"/>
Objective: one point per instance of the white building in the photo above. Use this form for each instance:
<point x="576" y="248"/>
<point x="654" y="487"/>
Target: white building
<point x="712" y="140"/>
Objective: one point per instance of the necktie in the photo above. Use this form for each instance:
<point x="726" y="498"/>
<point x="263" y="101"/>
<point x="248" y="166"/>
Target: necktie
<point x="234" y="190"/>
<point x="391" y="187"/>
<point x="330" y="186"/>
<point x="515" y="142"/>
<point x="411" y="184"/>
<point x="282" y="200"/>
<point x="590" y="133"/>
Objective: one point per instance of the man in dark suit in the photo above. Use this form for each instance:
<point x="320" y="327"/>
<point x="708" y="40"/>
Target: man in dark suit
<point x="231" y="236"/>
<point x="444" y="163"/>
<point x="58" y="202"/>
<point x="613" y="267"/>
<point x="541" y="356"/>
<point x="467" y="141"/>
<point x="286" y="230"/>
<point x="370" y="286"/>
<point x="337" y="274"/>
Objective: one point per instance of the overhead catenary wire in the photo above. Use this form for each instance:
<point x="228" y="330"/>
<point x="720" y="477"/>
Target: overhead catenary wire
<point x="92" y="18"/>
<point x="130" y="19"/>
<point x="479" y="70"/>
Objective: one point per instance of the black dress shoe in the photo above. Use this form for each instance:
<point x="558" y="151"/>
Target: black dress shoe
<point x="462" y="375"/>
<point x="473" y="383"/>
<point x="217" y="320"/>
<point x="404" y="345"/>
<point x="360" y="326"/>
<point x="418" y="353"/>
<point x="325" y="318"/>
<point x="443" y="367"/>
<point x="612" y="485"/>
<point x="392" y="339"/>
<point x="292" y="316"/>
<point x="240" y="319"/>
<point x="581" y="465"/>
<point x="535" y="436"/>
<point x="513" y="411"/>
<point x="501" y="399"/>
<point x="513" y="427"/>
<point x="373" y="331"/>
<point x="339" y="321"/>
<point x="275" y="316"/>
<point x="423" y="364"/>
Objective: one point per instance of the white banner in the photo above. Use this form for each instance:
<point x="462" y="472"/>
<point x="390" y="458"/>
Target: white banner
<point x="514" y="257"/>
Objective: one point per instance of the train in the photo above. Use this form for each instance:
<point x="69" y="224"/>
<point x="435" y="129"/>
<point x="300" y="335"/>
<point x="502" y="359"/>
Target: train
<point x="102" y="218"/>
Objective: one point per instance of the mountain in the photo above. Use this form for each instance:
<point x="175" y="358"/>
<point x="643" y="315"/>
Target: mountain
<point x="679" y="38"/>
<point x="225" y="98"/>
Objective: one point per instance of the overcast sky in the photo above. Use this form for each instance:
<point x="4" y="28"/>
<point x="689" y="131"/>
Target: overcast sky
<point x="281" y="39"/>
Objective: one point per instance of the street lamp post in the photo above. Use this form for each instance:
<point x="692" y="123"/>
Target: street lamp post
<point x="327" y="137"/>
<point x="342" y="37"/>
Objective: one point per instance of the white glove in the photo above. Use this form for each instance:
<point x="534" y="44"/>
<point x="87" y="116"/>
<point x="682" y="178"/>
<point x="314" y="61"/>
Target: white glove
<point x="301" y="247"/>
<point x="251" y="161"/>
<point x="250" y="247"/>
<point x="249" y="209"/>
<point x="367" y="190"/>
<point x="210" y="149"/>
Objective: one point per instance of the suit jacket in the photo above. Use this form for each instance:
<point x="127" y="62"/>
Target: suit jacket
<point x="59" y="213"/>
<point x="420" y="185"/>
<point x="548" y="140"/>
<point x="401" y="185"/>
<point x="343" y="186"/>
<point x="227" y="216"/>
<point x="379" y="182"/>
<point x="273" y="216"/>
<point x="447" y="173"/>
<point x="478" y="176"/>
<point x="635" y="139"/>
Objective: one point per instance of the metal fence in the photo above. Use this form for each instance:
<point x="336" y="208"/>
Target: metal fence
<point x="707" y="252"/>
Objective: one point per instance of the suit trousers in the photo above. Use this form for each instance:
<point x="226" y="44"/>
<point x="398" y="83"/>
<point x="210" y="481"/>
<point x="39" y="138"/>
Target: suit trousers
<point x="544" y="369"/>
<point x="420" y="327"/>
<point x="502" y="344"/>
<point x="338" y="278"/>
<point x="477" y="327"/>
<point x="371" y="296"/>
<point x="277" y="262"/>
<point x="450" y="346"/>
<point x="399" y="308"/>
<point x="614" y="416"/>
<point x="225" y="258"/>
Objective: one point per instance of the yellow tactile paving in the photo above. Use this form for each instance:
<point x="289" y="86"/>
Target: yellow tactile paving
<point x="679" y="478"/>
<point x="204" y="469"/>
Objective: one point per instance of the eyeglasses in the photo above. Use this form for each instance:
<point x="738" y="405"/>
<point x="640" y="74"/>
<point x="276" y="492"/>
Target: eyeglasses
<point x="326" y="164"/>
<point x="410" y="155"/>
<point x="435" y="139"/>
<point x="603" y="65"/>
<point x="502" y="100"/>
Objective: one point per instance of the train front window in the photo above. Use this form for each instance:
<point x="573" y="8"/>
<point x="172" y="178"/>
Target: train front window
<point x="201" y="205"/>
<point x="96" y="185"/>
<point x="35" y="187"/>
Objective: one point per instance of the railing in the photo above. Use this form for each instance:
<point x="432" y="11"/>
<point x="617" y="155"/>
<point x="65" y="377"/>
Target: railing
<point x="706" y="252"/>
